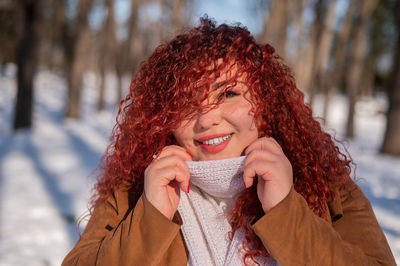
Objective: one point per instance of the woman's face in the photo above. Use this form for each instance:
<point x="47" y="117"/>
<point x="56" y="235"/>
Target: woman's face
<point x="223" y="132"/>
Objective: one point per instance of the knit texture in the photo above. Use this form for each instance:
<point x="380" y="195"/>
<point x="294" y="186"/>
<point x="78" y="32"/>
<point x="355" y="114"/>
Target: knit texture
<point x="219" y="178"/>
<point x="215" y="186"/>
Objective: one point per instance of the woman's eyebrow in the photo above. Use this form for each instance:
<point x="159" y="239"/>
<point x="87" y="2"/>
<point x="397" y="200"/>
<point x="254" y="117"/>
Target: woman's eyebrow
<point x="221" y="84"/>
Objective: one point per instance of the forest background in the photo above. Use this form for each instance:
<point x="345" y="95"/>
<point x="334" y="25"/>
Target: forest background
<point x="337" y="49"/>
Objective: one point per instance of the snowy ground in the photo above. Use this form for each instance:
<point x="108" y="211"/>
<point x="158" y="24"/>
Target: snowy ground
<point x="46" y="173"/>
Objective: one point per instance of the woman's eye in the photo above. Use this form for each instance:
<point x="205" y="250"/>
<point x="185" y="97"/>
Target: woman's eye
<point x="229" y="94"/>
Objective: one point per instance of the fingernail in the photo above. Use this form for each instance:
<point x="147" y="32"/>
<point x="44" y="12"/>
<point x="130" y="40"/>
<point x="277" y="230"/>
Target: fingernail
<point x="188" y="187"/>
<point x="189" y="154"/>
<point x="155" y="157"/>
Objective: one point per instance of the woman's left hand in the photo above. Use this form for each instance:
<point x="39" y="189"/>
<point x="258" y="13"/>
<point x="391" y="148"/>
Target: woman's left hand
<point x="265" y="158"/>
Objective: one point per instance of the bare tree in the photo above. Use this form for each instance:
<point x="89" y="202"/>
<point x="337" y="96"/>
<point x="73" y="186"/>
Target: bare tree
<point x="28" y="24"/>
<point x="323" y="49"/>
<point x="336" y="72"/>
<point x="305" y="73"/>
<point x="312" y="61"/>
<point x="275" y="26"/>
<point x="55" y="34"/>
<point x="107" y="53"/>
<point x="296" y="60"/>
<point x="357" y="59"/>
<point x="7" y="32"/>
<point x="391" y="143"/>
<point x="76" y="38"/>
<point x="177" y="18"/>
<point x="133" y="32"/>
<point x="176" y="15"/>
<point x="126" y="55"/>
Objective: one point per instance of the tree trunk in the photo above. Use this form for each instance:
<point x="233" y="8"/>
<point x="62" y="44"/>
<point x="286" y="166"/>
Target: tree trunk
<point x="177" y="20"/>
<point x="107" y="56"/>
<point x="391" y="142"/>
<point x="275" y="27"/>
<point x="28" y="22"/>
<point x="126" y="54"/>
<point x="119" y="73"/>
<point x="368" y="74"/>
<point x="296" y="61"/>
<point x="102" y="87"/>
<point x="7" y="33"/>
<point x="323" y="45"/>
<point x="133" y="33"/>
<point x="178" y="16"/>
<point x="56" y="34"/>
<point x="334" y="78"/>
<point x="305" y="72"/>
<point x="76" y="40"/>
<point x="357" y="61"/>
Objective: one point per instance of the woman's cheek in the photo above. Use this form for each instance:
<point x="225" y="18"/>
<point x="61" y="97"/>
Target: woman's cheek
<point x="242" y="116"/>
<point x="182" y="133"/>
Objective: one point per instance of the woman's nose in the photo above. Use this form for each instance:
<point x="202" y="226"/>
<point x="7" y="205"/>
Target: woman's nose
<point x="209" y="118"/>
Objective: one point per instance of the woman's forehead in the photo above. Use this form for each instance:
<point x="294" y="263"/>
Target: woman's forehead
<point x="220" y="75"/>
<point x="230" y="75"/>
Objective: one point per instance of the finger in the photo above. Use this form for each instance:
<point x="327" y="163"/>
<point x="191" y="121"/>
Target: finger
<point x="170" y="161"/>
<point x="171" y="174"/>
<point x="261" y="155"/>
<point x="262" y="169"/>
<point x="184" y="182"/>
<point x="175" y="150"/>
<point x="276" y="142"/>
<point x="168" y="151"/>
<point x="249" y="174"/>
<point x="248" y="180"/>
<point x="264" y="143"/>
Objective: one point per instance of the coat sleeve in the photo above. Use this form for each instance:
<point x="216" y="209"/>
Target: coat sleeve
<point x="293" y="235"/>
<point x="141" y="236"/>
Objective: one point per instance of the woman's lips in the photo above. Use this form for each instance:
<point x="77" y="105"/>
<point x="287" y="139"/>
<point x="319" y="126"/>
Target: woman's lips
<point x="214" y="148"/>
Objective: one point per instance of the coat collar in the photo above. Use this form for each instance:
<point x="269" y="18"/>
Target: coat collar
<point x="335" y="207"/>
<point x="121" y="203"/>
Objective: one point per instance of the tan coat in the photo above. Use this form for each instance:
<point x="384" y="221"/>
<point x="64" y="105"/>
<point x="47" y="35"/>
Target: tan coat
<point x="116" y="235"/>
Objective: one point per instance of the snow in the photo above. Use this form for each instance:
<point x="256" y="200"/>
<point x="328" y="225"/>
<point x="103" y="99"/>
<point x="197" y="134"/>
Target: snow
<point x="47" y="173"/>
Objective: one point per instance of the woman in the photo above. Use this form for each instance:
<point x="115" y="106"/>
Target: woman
<point x="216" y="160"/>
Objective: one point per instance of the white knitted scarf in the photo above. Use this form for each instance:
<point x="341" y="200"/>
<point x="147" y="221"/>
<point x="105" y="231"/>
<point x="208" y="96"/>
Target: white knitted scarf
<point x="215" y="186"/>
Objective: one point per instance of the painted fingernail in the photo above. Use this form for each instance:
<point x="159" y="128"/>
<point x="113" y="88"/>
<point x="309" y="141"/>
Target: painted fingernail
<point x="189" y="154"/>
<point x="188" y="187"/>
<point x="155" y="157"/>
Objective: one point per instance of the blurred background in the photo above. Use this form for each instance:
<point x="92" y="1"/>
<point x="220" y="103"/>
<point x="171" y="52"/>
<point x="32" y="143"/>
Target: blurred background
<point x="66" y="64"/>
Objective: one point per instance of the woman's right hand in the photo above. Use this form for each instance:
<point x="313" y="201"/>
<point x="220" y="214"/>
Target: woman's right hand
<point x="163" y="178"/>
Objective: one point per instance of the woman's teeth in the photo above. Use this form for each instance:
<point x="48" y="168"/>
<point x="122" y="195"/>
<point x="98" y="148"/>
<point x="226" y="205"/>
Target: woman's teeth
<point x="216" y="141"/>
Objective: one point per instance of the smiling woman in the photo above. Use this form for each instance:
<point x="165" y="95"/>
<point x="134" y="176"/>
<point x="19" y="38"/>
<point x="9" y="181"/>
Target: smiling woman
<point x="216" y="160"/>
<point x="223" y="131"/>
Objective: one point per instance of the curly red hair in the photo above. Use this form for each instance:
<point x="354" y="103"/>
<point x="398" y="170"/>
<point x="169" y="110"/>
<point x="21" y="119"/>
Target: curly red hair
<point x="171" y="85"/>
